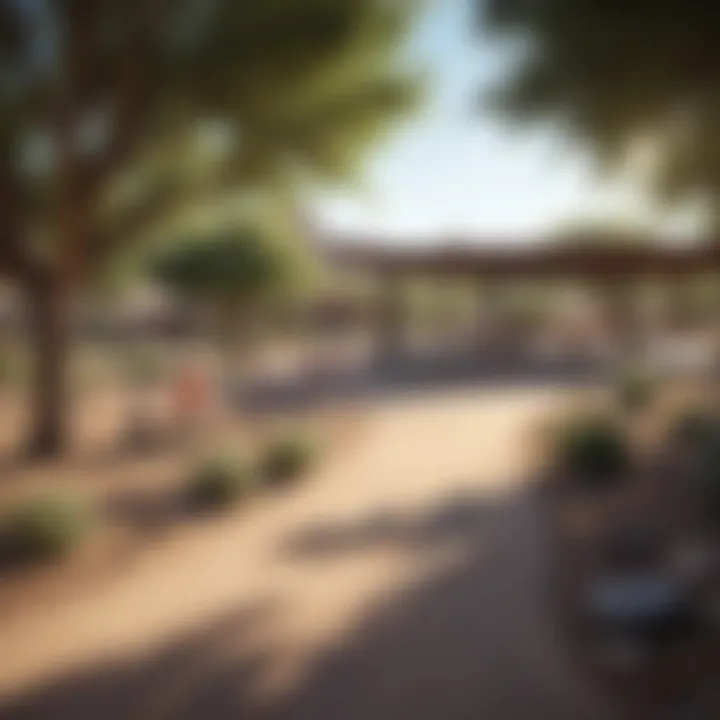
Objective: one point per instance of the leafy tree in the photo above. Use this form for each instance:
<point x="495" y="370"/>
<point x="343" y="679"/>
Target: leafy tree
<point x="234" y="271"/>
<point x="115" y="113"/>
<point x="615" y="74"/>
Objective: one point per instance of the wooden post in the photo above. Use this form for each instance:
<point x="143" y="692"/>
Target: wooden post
<point x="391" y="320"/>
<point x="486" y="320"/>
<point x="619" y="299"/>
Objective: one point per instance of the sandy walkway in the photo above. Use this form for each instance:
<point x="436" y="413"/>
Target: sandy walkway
<point x="405" y="581"/>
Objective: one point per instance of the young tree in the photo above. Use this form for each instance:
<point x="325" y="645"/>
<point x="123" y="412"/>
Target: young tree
<point x="113" y="113"/>
<point x="235" y="272"/>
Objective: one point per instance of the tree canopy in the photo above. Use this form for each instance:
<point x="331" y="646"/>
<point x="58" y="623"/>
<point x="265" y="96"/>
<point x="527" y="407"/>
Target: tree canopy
<point x="114" y="111"/>
<point x="231" y="266"/>
<point x="617" y="73"/>
<point x="114" y="114"/>
<point x="239" y="273"/>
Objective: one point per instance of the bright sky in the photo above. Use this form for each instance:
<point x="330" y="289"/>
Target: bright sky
<point x="457" y="170"/>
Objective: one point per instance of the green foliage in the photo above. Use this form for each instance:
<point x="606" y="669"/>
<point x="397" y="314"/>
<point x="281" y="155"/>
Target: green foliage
<point x="236" y="266"/>
<point x="618" y="74"/>
<point x="287" y="458"/>
<point x="240" y="273"/>
<point x="115" y="117"/>
<point x="218" y="482"/>
<point x="636" y="389"/>
<point x="197" y="99"/>
<point x="696" y="426"/>
<point x="43" y="528"/>
<point x="593" y="448"/>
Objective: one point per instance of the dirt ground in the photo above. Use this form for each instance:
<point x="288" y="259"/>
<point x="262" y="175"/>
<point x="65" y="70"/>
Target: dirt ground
<point x="406" y="579"/>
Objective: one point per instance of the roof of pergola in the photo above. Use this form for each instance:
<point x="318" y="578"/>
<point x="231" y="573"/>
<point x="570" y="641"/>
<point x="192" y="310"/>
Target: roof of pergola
<point x="506" y="260"/>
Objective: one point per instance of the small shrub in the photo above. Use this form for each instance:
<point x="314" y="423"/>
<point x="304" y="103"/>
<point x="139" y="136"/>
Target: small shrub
<point x="218" y="482"/>
<point x="43" y="528"/>
<point x="636" y="389"/>
<point x="710" y="485"/>
<point x="594" y="448"/>
<point x="695" y="426"/>
<point x="287" y="458"/>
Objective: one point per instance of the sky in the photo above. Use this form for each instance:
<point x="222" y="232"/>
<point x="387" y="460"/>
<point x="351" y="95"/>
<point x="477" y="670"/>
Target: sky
<point x="457" y="171"/>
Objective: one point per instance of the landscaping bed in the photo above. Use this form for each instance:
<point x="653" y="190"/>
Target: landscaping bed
<point x="69" y="527"/>
<point x="635" y="510"/>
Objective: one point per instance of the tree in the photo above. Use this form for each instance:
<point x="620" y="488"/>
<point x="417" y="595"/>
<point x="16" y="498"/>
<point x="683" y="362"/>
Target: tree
<point x="115" y="113"/>
<point x="235" y="272"/>
<point x="616" y="74"/>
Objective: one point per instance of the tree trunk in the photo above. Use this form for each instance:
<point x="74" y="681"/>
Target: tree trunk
<point x="48" y="311"/>
<point x="229" y="338"/>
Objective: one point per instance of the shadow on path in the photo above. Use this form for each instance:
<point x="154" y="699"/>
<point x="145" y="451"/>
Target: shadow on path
<point x="475" y="639"/>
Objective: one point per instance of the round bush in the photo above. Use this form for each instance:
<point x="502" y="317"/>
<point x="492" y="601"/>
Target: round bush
<point x="636" y="390"/>
<point x="695" y="426"/>
<point x="593" y="448"/>
<point x="285" y="459"/>
<point x="43" y="528"/>
<point x="218" y="482"/>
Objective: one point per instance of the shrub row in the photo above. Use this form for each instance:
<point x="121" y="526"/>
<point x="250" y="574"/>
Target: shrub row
<point x="220" y="481"/>
<point x="50" y="527"/>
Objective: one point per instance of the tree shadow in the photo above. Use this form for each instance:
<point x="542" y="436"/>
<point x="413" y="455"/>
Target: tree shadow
<point x="173" y="680"/>
<point x="475" y="637"/>
<point x="383" y="529"/>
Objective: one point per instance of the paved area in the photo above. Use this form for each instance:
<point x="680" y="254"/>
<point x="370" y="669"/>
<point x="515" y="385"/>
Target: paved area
<point x="407" y="580"/>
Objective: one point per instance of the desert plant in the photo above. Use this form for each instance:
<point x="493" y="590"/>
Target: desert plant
<point x="218" y="482"/>
<point x="286" y="458"/>
<point x="695" y="426"/>
<point x="43" y="528"/>
<point x="636" y="389"/>
<point x="593" y="448"/>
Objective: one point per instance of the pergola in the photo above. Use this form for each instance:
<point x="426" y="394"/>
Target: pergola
<point x="507" y="261"/>
<point x="611" y="270"/>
